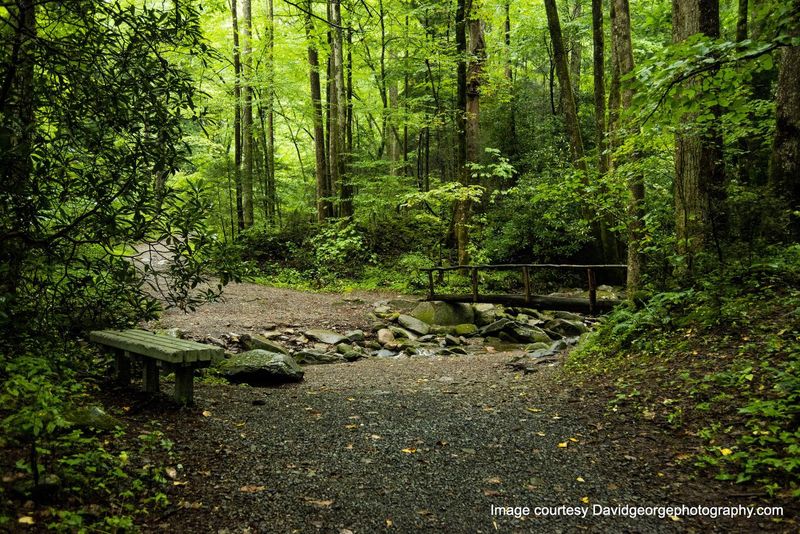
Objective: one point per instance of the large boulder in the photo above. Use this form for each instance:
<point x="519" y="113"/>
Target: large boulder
<point x="528" y="334"/>
<point x="566" y="328"/>
<point x="496" y="327"/>
<point x="484" y="313"/>
<point x="261" y="343"/>
<point x="325" y="336"/>
<point x="466" y="329"/>
<point x="444" y="313"/>
<point x="260" y="367"/>
<point x="415" y="325"/>
<point x="91" y="418"/>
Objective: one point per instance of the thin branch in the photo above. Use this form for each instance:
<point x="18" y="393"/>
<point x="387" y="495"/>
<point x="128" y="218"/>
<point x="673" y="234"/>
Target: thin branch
<point x="706" y="68"/>
<point x="326" y="21"/>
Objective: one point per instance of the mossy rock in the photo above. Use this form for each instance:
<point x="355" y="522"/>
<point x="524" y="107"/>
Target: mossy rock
<point x="444" y="313"/>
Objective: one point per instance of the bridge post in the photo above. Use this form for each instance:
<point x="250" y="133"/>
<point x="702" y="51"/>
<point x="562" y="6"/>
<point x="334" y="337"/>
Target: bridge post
<point x="592" y="290"/>
<point x="474" y="284"/>
<point x="526" y="279"/>
<point x="430" y="284"/>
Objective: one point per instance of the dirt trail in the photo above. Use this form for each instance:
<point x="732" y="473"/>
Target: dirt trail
<point x="408" y="445"/>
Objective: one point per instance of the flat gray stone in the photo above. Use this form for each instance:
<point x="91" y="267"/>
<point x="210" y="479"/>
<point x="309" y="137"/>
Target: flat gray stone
<point x="413" y="324"/>
<point x="325" y="336"/>
<point x="258" y="342"/>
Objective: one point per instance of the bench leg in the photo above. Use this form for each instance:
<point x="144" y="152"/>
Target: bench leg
<point x="184" y="384"/>
<point x="123" y="367"/>
<point x="150" y="375"/>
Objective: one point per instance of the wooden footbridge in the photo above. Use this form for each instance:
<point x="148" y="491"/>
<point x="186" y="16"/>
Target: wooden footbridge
<point x="591" y="305"/>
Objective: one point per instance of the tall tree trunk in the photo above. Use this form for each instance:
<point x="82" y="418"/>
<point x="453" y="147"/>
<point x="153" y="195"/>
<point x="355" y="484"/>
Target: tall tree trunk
<point x="18" y="119"/>
<point x="347" y="185"/>
<point x="337" y="104"/>
<point x="237" y="118"/>
<point x="575" y="52"/>
<point x="511" y="144"/>
<point x="477" y="59"/>
<point x="784" y="176"/>
<point x="741" y="21"/>
<point x="623" y="50"/>
<point x="598" y="42"/>
<point x="247" y="114"/>
<point x="564" y="81"/>
<point x="321" y="172"/>
<point x="698" y="160"/>
<point x="462" y="207"/>
<point x="269" y="156"/>
<point x="608" y="240"/>
<point x="571" y="119"/>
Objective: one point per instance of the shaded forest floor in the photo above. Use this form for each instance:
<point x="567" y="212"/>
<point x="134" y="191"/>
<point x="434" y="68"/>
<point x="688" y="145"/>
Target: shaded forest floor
<point x="408" y="444"/>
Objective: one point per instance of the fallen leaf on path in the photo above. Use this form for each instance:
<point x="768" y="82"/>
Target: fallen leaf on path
<point x="206" y="413"/>
<point x="25" y="520"/>
<point x="389" y="523"/>
<point x="534" y="410"/>
<point x="171" y="472"/>
<point x="319" y="503"/>
<point x="573" y="440"/>
<point x="541" y="434"/>
<point x="349" y="446"/>
<point x="179" y="483"/>
<point x="192" y="505"/>
<point x="491" y="493"/>
<point x="563" y="444"/>
<point x="351" y="427"/>
<point x="494" y="480"/>
<point x="375" y="437"/>
<point x="580" y="479"/>
<point x="252" y="488"/>
<point x="585" y="500"/>
<point x="409" y="450"/>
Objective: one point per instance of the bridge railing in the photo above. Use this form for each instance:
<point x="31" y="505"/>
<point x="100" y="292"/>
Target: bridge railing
<point x="525" y="270"/>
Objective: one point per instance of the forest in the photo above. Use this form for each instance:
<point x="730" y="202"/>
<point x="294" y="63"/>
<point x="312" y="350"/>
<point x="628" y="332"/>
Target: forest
<point x="343" y="147"/>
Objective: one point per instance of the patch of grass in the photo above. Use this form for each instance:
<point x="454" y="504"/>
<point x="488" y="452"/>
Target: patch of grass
<point x="718" y="363"/>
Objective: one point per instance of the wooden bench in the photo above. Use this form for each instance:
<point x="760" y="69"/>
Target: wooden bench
<point x="178" y="355"/>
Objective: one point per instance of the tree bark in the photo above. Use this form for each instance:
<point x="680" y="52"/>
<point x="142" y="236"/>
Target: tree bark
<point x="462" y="207"/>
<point x="511" y="144"/>
<point x="321" y="172"/>
<point x="247" y="115"/>
<point x="564" y="81"/>
<point x="18" y="119"/>
<point x="784" y="176"/>
<point x="237" y="116"/>
<point x="575" y="52"/>
<point x="609" y="242"/>
<point x="337" y="105"/>
<point x="477" y="59"/>
<point x="598" y="42"/>
<point x="271" y="194"/>
<point x="699" y="176"/>
<point x="623" y="50"/>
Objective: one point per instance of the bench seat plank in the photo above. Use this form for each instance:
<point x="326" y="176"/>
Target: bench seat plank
<point x="171" y="350"/>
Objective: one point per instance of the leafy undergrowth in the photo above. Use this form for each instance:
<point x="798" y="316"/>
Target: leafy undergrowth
<point x="64" y="470"/>
<point x="718" y="364"/>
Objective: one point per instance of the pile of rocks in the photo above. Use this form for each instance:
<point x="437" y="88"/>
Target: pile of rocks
<point x="401" y="329"/>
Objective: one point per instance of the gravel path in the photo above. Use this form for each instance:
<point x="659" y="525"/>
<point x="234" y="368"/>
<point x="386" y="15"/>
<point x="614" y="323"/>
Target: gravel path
<point x="420" y="444"/>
